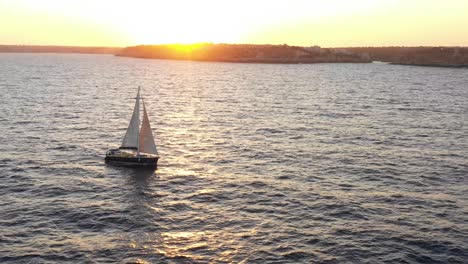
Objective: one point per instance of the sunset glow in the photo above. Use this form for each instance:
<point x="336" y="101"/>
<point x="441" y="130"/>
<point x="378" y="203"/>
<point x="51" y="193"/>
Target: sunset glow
<point x="325" y="23"/>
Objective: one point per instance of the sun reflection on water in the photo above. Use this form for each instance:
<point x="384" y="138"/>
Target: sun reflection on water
<point x="192" y="245"/>
<point x="156" y="203"/>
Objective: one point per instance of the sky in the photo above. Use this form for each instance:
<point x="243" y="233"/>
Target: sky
<point x="327" y="23"/>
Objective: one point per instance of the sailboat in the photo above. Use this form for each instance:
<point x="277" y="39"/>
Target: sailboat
<point x="138" y="148"/>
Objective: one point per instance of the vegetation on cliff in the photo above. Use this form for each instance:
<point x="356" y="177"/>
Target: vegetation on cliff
<point x="422" y="56"/>
<point x="243" y="53"/>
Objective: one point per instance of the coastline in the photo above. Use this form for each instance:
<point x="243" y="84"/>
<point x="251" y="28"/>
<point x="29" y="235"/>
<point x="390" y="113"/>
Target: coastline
<point x="245" y="53"/>
<point x="446" y="57"/>
<point x="57" y="49"/>
<point x="431" y="65"/>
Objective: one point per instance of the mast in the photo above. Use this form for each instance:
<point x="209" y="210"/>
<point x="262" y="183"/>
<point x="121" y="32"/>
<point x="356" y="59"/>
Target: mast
<point x="138" y="137"/>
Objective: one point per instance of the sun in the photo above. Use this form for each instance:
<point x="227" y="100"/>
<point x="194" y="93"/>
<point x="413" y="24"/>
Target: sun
<point x="178" y="22"/>
<point x="185" y="31"/>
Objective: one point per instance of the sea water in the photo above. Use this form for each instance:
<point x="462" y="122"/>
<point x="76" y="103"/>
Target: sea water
<point x="260" y="163"/>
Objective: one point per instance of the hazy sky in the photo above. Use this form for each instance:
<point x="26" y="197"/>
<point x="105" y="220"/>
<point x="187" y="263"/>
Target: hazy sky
<point x="327" y="23"/>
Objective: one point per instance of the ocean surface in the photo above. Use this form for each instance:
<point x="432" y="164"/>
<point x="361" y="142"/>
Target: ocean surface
<point x="260" y="163"/>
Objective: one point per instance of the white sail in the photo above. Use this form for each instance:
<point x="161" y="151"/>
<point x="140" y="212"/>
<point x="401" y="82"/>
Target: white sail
<point x="147" y="144"/>
<point x="131" y="137"/>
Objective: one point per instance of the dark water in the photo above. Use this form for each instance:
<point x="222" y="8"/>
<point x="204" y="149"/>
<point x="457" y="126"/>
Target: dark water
<point x="324" y="163"/>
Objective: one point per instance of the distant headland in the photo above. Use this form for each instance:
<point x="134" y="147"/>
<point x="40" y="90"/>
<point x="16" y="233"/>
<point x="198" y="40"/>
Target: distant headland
<point x="419" y="56"/>
<point x="246" y="53"/>
<point x="58" y="49"/>
<point x="250" y="53"/>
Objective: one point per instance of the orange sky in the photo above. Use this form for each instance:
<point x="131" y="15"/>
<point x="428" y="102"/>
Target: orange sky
<point x="327" y="23"/>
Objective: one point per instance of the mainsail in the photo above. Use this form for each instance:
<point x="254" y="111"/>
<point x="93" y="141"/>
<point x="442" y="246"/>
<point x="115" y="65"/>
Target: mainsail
<point x="131" y="137"/>
<point x="147" y="144"/>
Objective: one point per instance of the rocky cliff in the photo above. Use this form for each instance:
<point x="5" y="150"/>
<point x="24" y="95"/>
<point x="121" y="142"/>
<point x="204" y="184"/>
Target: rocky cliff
<point x="244" y="53"/>
<point x="422" y="56"/>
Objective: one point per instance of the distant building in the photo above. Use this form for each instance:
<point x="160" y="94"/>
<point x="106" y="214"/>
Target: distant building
<point x="315" y="48"/>
<point x="260" y="55"/>
<point x="343" y="51"/>
<point x="300" y="53"/>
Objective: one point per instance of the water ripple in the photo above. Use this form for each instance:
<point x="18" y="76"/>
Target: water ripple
<point x="260" y="163"/>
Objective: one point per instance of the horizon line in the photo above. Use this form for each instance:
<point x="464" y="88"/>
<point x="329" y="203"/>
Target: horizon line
<point x="213" y="43"/>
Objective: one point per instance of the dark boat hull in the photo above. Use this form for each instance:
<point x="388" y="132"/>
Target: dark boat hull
<point x="141" y="162"/>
